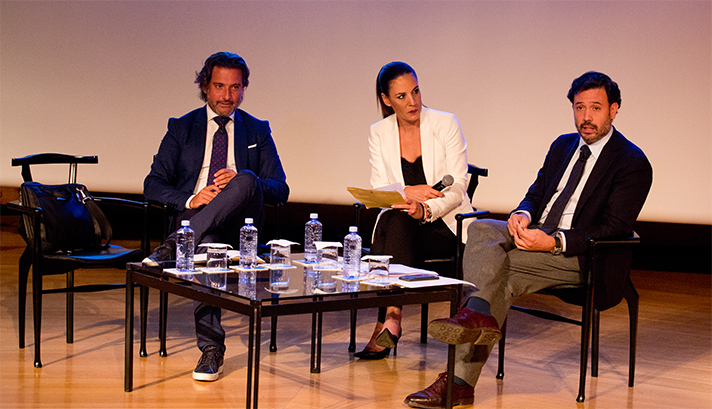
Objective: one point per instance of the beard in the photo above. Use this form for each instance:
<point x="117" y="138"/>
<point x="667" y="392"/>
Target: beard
<point x="222" y="110"/>
<point x="597" y="134"/>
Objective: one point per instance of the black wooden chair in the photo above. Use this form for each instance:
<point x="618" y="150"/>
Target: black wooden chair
<point x="582" y="295"/>
<point x="53" y="263"/>
<point x="445" y="266"/>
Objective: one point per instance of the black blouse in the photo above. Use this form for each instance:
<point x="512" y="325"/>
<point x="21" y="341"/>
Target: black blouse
<point x="413" y="173"/>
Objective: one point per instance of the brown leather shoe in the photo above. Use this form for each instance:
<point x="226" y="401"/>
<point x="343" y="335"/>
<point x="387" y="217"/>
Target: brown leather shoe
<point x="434" y="395"/>
<point x="465" y="327"/>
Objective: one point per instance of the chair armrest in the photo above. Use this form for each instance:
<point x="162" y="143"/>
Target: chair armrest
<point x="121" y="202"/>
<point x="17" y="207"/>
<point x="131" y="204"/>
<point x="594" y="244"/>
<point x="627" y="241"/>
<point x="458" y="251"/>
<point x="463" y="216"/>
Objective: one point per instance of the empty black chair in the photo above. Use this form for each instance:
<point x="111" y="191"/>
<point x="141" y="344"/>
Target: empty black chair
<point x="65" y="262"/>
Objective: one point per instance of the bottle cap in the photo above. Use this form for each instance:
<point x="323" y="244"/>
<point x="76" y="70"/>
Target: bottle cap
<point x="353" y="229"/>
<point x="313" y="215"/>
<point x="248" y="220"/>
<point x="185" y="222"/>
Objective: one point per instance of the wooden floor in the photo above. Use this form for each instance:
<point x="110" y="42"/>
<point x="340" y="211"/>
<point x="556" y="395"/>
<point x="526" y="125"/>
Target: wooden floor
<point x="674" y="355"/>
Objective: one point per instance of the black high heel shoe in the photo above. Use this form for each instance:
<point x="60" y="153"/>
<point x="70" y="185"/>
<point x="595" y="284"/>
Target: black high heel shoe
<point x="373" y="355"/>
<point x="387" y="340"/>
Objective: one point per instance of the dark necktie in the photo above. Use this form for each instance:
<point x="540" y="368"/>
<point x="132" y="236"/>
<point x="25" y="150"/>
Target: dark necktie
<point x="557" y="209"/>
<point x="218" y="159"/>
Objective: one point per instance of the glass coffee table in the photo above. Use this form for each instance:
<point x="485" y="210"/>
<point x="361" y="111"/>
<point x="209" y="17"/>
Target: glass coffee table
<point x="256" y="299"/>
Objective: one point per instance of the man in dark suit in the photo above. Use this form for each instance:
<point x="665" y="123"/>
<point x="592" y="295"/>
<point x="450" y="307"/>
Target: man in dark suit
<point x="593" y="184"/>
<point x="216" y="166"/>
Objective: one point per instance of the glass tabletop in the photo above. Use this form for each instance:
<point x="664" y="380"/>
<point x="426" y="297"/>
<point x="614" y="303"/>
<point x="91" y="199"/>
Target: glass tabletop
<point x="265" y="281"/>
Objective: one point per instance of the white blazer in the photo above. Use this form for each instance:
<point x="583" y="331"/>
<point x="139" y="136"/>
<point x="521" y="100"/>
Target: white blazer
<point x="444" y="151"/>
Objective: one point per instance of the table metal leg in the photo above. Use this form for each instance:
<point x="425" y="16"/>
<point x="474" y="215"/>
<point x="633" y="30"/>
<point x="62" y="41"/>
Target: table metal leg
<point x="273" y="331"/>
<point x="144" y="320"/>
<point x="162" y="323"/>
<point x="316" y="360"/>
<point x="424" y="324"/>
<point x="128" y="340"/>
<point x="312" y="358"/>
<point x="352" y="333"/>
<point x="317" y="319"/>
<point x="250" y="350"/>
<point x="454" y="302"/>
<point x="258" y="336"/>
<point x="450" y="375"/>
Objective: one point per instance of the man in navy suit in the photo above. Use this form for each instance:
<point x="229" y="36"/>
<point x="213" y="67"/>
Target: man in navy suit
<point x="593" y="184"/>
<point x="216" y="166"/>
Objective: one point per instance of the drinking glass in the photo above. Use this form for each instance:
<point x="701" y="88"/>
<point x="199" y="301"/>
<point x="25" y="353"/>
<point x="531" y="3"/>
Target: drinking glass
<point x="280" y="255"/>
<point x="378" y="267"/>
<point x="217" y="256"/>
<point x="218" y="280"/>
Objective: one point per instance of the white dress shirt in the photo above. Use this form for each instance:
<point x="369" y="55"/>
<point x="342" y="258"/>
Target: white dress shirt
<point x="210" y="133"/>
<point x="568" y="214"/>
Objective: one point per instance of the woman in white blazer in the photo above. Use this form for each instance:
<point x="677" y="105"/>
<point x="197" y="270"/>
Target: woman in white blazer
<point x="415" y="146"/>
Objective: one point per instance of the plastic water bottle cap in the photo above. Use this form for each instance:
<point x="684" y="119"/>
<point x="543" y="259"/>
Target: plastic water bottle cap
<point x="185" y="223"/>
<point x="314" y="215"/>
<point x="248" y="220"/>
<point x="353" y="229"/>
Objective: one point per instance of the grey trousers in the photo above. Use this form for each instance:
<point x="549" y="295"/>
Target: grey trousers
<point x="501" y="272"/>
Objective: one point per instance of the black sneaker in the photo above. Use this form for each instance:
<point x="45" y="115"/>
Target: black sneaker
<point x="164" y="252"/>
<point x="210" y="365"/>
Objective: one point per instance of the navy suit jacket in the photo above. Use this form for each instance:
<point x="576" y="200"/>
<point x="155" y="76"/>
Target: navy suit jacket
<point x="609" y="204"/>
<point x="176" y="167"/>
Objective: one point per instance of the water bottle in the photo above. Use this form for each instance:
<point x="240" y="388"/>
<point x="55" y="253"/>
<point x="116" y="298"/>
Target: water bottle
<point x="248" y="245"/>
<point x="311" y="280"/>
<point x="352" y="253"/>
<point x="312" y="233"/>
<point x="185" y="247"/>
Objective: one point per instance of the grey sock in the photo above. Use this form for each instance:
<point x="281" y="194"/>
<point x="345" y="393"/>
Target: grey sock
<point x="459" y="381"/>
<point x="478" y="305"/>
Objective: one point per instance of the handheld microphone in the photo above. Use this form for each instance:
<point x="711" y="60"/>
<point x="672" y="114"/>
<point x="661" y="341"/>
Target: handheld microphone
<point x="447" y="181"/>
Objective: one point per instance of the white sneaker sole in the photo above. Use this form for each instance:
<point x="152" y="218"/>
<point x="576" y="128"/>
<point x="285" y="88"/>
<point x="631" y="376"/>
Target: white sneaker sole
<point x="147" y="261"/>
<point x="207" y="377"/>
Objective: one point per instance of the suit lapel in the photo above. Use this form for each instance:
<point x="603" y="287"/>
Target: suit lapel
<point x="241" y="142"/>
<point x="427" y="141"/>
<point x="603" y="163"/>
<point x="393" y="153"/>
<point x="196" y="143"/>
<point x="566" y="159"/>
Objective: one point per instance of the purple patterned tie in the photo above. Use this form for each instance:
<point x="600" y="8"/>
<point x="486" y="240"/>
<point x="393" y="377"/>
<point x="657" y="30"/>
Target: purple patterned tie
<point x="557" y="209"/>
<point x="218" y="159"/>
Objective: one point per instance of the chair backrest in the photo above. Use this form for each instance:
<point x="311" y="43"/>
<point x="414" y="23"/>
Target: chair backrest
<point x="475" y="173"/>
<point x="52" y="158"/>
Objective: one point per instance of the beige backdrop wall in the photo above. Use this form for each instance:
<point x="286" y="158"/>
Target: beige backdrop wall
<point x="102" y="78"/>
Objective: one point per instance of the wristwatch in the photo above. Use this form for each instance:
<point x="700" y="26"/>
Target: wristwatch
<point x="557" y="245"/>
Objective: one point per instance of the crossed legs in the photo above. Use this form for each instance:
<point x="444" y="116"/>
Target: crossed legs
<point x="499" y="272"/>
